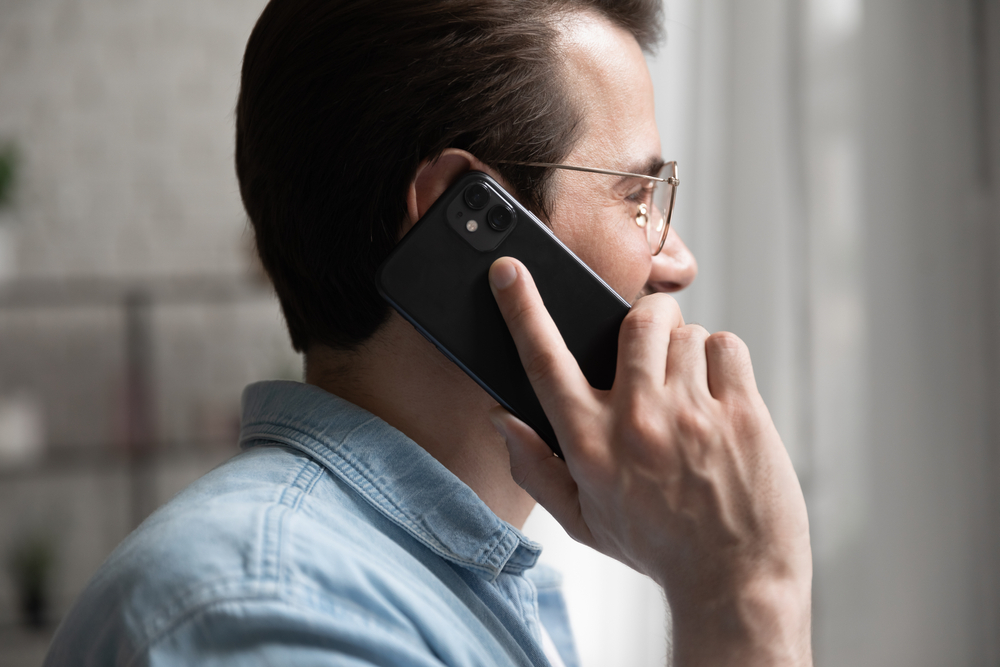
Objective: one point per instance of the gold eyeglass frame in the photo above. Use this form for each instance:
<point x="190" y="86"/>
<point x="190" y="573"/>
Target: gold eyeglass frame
<point x="642" y="214"/>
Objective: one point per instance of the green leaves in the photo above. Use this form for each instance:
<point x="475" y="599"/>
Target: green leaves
<point x="9" y="161"/>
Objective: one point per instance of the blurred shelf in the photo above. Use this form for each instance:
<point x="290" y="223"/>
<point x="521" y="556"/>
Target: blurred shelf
<point x="97" y="458"/>
<point x="98" y="291"/>
<point x="141" y="454"/>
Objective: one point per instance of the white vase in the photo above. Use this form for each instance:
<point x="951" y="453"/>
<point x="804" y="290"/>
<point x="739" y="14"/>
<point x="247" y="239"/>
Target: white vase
<point x="22" y="430"/>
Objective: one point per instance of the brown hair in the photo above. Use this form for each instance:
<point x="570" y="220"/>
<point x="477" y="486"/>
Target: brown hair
<point x="341" y="100"/>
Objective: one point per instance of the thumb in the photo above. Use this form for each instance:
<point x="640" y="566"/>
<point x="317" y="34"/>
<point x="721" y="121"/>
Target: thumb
<point x="539" y="472"/>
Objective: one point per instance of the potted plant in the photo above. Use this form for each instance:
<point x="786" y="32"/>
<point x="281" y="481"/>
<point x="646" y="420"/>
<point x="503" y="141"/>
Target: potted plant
<point x="30" y="563"/>
<point x="9" y="163"/>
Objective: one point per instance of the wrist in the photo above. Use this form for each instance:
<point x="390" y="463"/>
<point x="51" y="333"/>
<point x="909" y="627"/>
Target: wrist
<point x="763" y="623"/>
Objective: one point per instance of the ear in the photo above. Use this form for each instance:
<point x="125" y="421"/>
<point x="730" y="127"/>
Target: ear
<point x="433" y="177"/>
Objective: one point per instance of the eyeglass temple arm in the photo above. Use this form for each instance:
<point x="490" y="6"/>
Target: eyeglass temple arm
<point x="671" y="179"/>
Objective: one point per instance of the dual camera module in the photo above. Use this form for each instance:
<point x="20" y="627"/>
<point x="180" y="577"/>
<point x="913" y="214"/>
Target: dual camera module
<point x="500" y="217"/>
<point x="481" y="213"/>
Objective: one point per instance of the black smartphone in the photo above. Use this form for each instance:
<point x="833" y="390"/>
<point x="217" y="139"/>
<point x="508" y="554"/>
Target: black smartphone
<point x="437" y="278"/>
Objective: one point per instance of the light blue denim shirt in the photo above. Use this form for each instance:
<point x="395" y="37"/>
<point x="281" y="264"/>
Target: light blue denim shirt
<point x="333" y="539"/>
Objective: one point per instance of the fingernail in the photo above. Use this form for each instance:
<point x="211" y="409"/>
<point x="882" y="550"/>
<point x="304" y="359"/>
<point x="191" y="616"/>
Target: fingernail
<point x="503" y="273"/>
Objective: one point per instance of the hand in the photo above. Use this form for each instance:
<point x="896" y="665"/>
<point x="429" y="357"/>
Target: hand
<point x="677" y="471"/>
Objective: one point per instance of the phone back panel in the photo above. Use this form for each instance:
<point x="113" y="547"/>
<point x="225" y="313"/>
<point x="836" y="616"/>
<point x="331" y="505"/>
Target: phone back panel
<point x="439" y="282"/>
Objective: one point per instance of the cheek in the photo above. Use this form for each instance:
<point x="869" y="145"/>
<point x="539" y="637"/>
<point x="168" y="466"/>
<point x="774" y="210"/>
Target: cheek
<point x="619" y="256"/>
<point x="625" y="270"/>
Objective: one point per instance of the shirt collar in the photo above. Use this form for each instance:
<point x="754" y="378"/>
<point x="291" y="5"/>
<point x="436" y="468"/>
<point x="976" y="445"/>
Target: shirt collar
<point x="393" y="473"/>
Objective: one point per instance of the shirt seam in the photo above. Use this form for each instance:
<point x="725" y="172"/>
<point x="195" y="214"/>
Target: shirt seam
<point x="271" y="538"/>
<point x="187" y="608"/>
<point x="288" y="601"/>
<point x="265" y="581"/>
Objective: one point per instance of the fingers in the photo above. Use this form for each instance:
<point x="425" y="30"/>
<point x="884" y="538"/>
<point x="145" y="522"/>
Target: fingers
<point x="544" y="476"/>
<point x="729" y="369"/>
<point x="686" y="360"/>
<point x="656" y="347"/>
<point x="642" y="342"/>
<point x="551" y="367"/>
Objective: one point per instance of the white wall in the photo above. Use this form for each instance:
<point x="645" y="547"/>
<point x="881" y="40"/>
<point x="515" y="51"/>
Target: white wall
<point x="124" y="114"/>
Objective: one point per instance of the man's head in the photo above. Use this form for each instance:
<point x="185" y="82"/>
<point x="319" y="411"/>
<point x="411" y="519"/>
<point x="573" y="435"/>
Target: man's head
<point x="342" y="103"/>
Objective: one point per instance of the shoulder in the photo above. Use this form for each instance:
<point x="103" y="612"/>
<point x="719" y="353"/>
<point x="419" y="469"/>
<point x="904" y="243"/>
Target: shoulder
<point x="269" y="539"/>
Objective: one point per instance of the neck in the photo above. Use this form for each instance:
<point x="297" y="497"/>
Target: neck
<point x="400" y="377"/>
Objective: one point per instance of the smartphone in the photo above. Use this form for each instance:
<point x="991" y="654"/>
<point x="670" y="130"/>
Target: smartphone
<point x="437" y="278"/>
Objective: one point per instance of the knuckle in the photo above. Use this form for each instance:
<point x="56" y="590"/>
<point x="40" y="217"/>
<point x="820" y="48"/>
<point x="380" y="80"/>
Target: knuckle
<point x="642" y="423"/>
<point x="658" y="302"/>
<point x="641" y="319"/>
<point x="517" y="313"/>
<point x="643" y="427"/>
<point x="541" y="364"/>
<point x="725" y="341"/>
<point x="694" y="423"/>
<point x="694" y="332"/>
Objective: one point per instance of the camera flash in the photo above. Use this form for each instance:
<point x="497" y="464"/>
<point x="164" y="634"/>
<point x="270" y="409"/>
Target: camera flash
<point x="472" y="225"/>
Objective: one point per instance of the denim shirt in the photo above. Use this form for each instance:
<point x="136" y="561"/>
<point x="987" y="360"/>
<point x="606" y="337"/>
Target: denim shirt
<point x="332" y="539"/>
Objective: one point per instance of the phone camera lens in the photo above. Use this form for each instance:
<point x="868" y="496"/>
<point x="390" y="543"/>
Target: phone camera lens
<point x="477" y="196"/>
<point x="500" y="217"/>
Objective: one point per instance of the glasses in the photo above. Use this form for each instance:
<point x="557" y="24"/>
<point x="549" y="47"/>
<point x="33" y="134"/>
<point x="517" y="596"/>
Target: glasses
<point x="654" y="203"/>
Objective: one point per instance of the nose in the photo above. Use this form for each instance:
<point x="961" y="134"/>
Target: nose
<point x="674" y="268"/>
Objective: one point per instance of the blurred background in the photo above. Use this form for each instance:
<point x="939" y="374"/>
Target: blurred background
<point x="840" y="163"/>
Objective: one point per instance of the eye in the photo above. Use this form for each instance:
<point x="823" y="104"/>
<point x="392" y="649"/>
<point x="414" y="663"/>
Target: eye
<point x="642" y="194"/>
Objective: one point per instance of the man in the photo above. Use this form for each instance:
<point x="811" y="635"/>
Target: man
<point x="373" y="518"/>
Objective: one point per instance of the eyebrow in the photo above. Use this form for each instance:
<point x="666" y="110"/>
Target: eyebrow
<point x="650" y="167"/>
